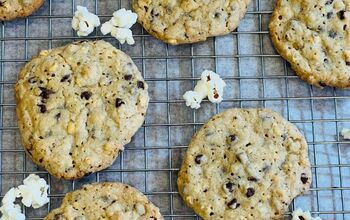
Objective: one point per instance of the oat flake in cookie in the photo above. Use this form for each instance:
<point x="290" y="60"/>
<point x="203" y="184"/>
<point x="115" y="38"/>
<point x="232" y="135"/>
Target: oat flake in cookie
<point x="11" y="9"/>
<point x="78" y="105"/>
<point x="181" y="22"/>
<point x="106" y="201"/>
<point x="244" y="164"/>
<point x="314" y="36"/>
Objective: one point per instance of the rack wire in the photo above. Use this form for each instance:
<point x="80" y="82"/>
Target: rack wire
<point x="256" y="77"/>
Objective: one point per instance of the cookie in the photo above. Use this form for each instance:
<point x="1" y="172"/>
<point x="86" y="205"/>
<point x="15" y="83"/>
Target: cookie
<point x="105" y="201"/>
<point x="78" y="105"/>
<point x="181" y="22"/>
<point x="244" y="164"/>
<point x="314" y="37"/>
<point x="12" y="9"/>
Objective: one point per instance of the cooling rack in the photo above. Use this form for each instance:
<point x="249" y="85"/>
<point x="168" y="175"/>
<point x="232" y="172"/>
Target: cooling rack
<point x="255" y="75"/>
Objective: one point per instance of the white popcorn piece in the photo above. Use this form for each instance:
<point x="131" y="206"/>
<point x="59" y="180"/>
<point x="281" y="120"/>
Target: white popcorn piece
<point x="84" y="21"/>
<point x="124" y="18"/>
<point x="193" y="99"/>
<point x="11" y="212"/>
<point x="34" y="191"/>
<point x="119" y="26"/>
<point x="123" y="35"/>
<point x="11" y="196"/>
<point x="210" y="85"/>
<point x="345" y="132"/>
<point x="300" y="214"/>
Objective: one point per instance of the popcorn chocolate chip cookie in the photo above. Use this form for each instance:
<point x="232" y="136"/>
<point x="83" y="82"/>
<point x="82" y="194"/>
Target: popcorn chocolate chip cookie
<point x="181" y="22"/>
<point x="244" y="164"/>
<point x="78" y="105"/>
<point x="11" y="9"/>
<point x="105" y="201"/>
<point x="314" y="36"/>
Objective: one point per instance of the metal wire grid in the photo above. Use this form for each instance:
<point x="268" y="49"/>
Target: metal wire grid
<point x="149" y="170"/>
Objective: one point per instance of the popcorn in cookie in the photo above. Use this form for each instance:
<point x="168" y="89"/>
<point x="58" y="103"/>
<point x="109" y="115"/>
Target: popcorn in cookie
<point x="84" y="21"/>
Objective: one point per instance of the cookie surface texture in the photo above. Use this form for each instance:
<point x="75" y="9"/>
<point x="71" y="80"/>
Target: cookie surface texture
<point x="244" y="164"/>
<point x="105" y="201"/>
<point x="78" y="105"/>
<point x="189" y="21"/>
<point x="11" y="9"/>
<point x="314" y="37"/>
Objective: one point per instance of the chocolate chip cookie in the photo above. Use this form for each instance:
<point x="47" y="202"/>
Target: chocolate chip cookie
<point x="11" y="9"/>
<point x="244" y="164"/>
<point x="105" y="201"/>
<point x="181" y="22"/>
<point x="78" y="105"/>
<point x="314" y="36"/>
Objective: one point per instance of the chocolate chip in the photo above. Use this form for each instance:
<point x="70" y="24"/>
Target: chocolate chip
<point x="198" y="159"/>
<point x="347" y="63"/>
<point x="233" y="204"/>
<point x="304" y="178"/>
<point x="332" y="34"/>
<point x="322" y="84"/>
<point x="216" y="95"/>
<point x="329" y="14"/>
<point x="229" y="186"/>
<point x="341" y="15"/>
<point x="86" y="95"/>
<point x="250" y="192"/>
<point x="233" y="137"/>
<point x="42" y="108"/>
<point x="217" y="15"/>
<point x="128" y="77"/>
<point x="119" y="102"/>
<point x="301" y="217"/>
<point x="45" y="93"/>
<point x="65" y="78"/>
<point x="329" y="2"/>
<point x="252" y="178"/>
<point x="57" y="116"/>
<point x="211" y="214"/>
<point x="140" y="85"/>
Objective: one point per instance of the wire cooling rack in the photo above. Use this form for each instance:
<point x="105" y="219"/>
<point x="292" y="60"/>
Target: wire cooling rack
<point x="255" y="75"/>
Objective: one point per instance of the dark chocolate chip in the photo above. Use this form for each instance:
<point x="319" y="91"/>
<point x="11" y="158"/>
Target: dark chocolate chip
<point x="332" y="34"/>
<point x="65" y="78"/>
<point x="329" y="2"/>
<point x="322" y="84"/>
<point x="211" y="214"/>
<point x="140" y="85"/>
<point x="341" y="15"/>
<point x="217" y="15"/>
<point x="229" y="186"/>
<point x="304" y="178"/>
<point x="198" y="159"/>
<point x="57" y="116"/>
<point x="128" y="77"/>
<point x="119" y="102"/>
<point x="42" y="108"/>
<point x="233" y="204"/>
<point x="32" y="80"/>
<point x="347" y="63"/>
<point x="252" y="178"/>
<point x="329" y="14"/>
<point x="250" y="192"/>
<point x="86" y="95"/>
<point x="233" y="137"/>
<point x="45" y="93"/>
<point x="301" y="217"/>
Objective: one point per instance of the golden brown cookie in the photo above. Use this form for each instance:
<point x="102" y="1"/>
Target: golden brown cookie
<point x="78" y="105"/>
<point x="12" y="9"/>
<point x="314" y="37"/>
<point x="244" y="164"/>
<point x="181" y="22"/>
<point x="106" y="201"/>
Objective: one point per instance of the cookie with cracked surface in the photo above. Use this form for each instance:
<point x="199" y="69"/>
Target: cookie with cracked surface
<point x="78" y="105"/>
<point x="244" y="164"/>
<point x="12" y="9"/>
<point x="181" y="22"/>
<point x="105" y="201"/>
<point x="314" y="37"/>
